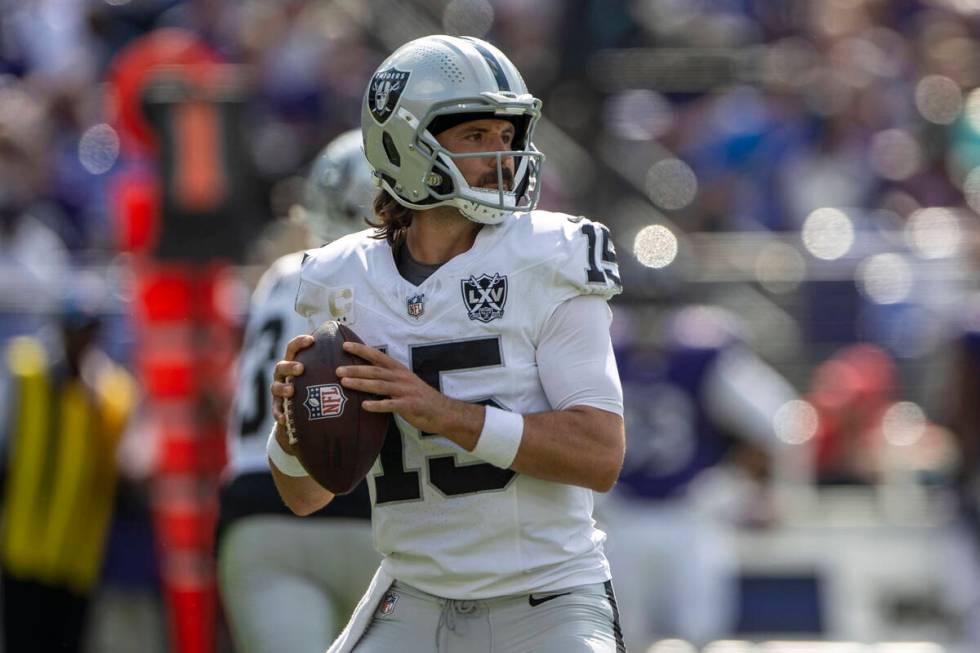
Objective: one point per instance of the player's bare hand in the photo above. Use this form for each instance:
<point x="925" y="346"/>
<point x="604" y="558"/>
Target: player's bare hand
<point x="284" y="370"/>
<point x="403" y="391"/>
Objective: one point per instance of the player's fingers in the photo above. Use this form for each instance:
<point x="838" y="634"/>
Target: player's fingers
<point x="281" y="389"/>
<point x="278" y="410"/>
<point x="286" y="368"/>
<point x="370" y="354"/>
<point x="372" y="386"/>
<point x="379" y="405"/>
<point x="363" y="372"/>
<point x="297" y="343"/>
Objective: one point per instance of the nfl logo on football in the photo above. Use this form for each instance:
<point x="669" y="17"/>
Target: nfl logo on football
<point x="416" y="305"/>
<point x="325" y="401"/>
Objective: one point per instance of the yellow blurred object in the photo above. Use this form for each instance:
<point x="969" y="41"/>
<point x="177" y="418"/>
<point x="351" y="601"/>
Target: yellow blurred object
<point x="62" y="481"/>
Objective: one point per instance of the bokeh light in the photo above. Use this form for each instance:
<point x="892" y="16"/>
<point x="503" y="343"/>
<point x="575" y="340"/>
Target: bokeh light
<point x="98" y="148"/>
<point x="895" y="154"/>
<point x="789" y="62"/>
<point x="796" y="421"/>
<point x="938" y="99"/>
<point x="639" y="114"/>
<point x="885" y="278"/>
<point x="655" y="246"/>
<point x="671" y="184"/>
<point x="934" y="232"/>
<point x="779" y="268"/>
<point x="828" y="233"/>
<point x="903" y="424"/>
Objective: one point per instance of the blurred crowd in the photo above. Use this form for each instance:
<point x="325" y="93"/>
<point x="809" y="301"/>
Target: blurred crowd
<point x="810" y="167"/>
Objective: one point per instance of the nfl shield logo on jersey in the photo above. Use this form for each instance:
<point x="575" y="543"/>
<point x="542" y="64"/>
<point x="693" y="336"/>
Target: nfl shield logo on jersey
<point x="386" y="87"/>
<point x="325" y="401"/>
<point x="416" y="305"/>
<point x="485" y="296"/>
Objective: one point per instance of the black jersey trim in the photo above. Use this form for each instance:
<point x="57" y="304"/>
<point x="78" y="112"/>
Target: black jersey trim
<point x="617" y="629"/>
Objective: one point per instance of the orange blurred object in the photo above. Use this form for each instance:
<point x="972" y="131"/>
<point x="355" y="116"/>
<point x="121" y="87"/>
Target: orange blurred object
<point x="134" y="68"/>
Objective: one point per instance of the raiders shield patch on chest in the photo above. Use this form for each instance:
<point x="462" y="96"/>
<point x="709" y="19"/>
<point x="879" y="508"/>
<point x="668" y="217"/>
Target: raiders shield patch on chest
<point x="386" y="87"/>
<point x="485" y="296"/>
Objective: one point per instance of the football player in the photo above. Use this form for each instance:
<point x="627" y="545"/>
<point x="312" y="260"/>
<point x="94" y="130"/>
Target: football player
<point x="700" y="408"/>
<point x="487" y="334"/>
<point x="281" y="589"/>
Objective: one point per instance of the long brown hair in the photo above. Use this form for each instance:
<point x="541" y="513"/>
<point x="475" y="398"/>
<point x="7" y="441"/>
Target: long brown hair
<point x="394" y="218"/>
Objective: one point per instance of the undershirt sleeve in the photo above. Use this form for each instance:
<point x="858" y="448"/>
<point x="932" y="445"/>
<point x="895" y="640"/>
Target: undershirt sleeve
<point x="575" y="357"/>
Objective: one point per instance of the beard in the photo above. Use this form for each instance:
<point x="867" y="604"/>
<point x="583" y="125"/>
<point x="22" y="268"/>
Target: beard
<point x="489" y="180"/>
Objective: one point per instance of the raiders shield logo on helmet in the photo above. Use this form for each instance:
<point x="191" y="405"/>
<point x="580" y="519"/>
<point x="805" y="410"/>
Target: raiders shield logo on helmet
<point x="485" y="296"/>
<point x="386" y="87"/>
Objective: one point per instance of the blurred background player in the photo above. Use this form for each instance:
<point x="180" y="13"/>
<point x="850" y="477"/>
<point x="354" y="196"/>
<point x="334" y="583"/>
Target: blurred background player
<point x="288" y="584"/>
<point x="65" y="411"/>
<point x="699" y="413"/>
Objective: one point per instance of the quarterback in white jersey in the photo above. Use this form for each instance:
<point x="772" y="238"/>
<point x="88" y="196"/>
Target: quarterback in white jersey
<point x="487" y="336"/>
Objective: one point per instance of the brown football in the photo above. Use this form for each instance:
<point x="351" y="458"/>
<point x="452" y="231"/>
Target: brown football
<point x="336" y="440"/>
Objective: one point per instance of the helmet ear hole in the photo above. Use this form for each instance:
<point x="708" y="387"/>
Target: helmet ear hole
<point x="389" y="145"/>
<point x="445" y="185"/>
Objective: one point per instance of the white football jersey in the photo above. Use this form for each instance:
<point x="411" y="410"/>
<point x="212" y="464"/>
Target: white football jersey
<point x="447" y="522"/>
<point x="272" y="323"/>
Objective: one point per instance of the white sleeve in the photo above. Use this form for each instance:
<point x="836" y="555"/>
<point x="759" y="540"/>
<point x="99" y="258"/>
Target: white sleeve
<point x="743" y="393"/>
<point x="575" y="356"/>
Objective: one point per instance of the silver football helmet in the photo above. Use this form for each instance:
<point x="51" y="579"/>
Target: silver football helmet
<point x="340" y="190"/>
<point x="442" y="78"/>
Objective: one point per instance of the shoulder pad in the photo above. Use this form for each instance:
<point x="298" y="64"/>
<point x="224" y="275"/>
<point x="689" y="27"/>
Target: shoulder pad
<point x="324" y="260"/>
<point x="324" y="274"/>
<point x="284" y="269"/>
